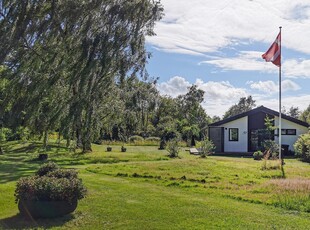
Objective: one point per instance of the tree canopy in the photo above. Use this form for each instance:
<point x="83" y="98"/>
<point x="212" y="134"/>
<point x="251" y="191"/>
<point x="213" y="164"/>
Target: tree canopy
<point x="245" y="104"/>
<point x="66" y="58"/>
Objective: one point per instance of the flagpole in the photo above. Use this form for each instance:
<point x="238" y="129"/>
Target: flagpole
<point x="280" y="109"/>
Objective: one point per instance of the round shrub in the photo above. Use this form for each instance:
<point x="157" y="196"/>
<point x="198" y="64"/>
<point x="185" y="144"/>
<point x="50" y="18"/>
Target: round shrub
<point x="302" y="147"/>
<point x="49" y="189"/>
<point x="50" y="184"/>
<point x="135" y="139"/>
<point x="258" y="155"/>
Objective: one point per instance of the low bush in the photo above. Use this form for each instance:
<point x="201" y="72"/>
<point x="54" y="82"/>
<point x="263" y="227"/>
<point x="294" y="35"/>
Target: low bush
<point x="173" y="148"/>
<point x="136" y="139"/>
<point x="206" y="147"/>
<point x="5" y="134"/>
<point x="258" y="155"/>
<point x="154" y="139"/>
<point x="50" y="184"/>
<point x="271" y="149"/>
<point x="46" y="168"/>
<point x="302" y="147"/>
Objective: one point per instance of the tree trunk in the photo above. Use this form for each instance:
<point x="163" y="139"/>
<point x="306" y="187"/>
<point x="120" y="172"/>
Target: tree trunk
<point x="1" y="151"/>
<point x="79" y="138"/>
<point x="45" y="139"/>
<point x="58" y="138"/>
<point x="86" y="138"/>
<point x="68" y="142"/>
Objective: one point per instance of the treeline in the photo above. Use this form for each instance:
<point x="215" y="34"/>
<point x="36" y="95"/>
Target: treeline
<point x="134" y="107"/>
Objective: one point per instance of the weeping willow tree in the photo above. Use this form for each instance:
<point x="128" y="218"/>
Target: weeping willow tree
<point x="65" y="57"/>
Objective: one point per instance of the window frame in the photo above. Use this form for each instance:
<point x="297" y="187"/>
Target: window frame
<point x="287" y="132"/>
<point x="230" y="134"/>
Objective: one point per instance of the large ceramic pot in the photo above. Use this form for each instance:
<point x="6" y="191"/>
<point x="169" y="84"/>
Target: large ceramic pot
<point x="45" y="209"/>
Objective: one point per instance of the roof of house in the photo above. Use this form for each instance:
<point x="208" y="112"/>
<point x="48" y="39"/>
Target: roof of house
<point x="257" y="110"/>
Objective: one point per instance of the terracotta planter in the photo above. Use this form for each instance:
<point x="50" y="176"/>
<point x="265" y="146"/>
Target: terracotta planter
<point x="46" y="209"/>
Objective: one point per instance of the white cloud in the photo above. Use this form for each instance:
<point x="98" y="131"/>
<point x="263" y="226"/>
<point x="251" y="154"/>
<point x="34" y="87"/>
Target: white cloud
<point x="271" y="87"/>
<point x="174" y="86"/>
<point x="252" y="61"/>
<point x="246" y="61"/>
<point x="297" y="68"/>
<point x="288" y="85"/>
<point x="300" y="101"/>
<point x="219" y="96"/>
<point x="204" y="26"/>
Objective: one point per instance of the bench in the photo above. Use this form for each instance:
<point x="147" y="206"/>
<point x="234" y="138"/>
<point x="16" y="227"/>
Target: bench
<point x="194" y="151"/>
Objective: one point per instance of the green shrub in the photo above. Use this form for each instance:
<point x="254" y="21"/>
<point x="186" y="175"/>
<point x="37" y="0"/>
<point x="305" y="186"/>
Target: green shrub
<point x="50" y="184"/>
<point x="154" y="139"/>
<point x="136" y="139"/>
<point x="302" y="147"/>
<point x="271" y="149"/>
<point x="173" y="148"/>
<point x="5" y="133"/>
<point x="206" y="147"/>
<point x="46" y="168"/>
<point x="23" y="133"/>
<point x="63" y="173"/>
<point x="258" y="155"/>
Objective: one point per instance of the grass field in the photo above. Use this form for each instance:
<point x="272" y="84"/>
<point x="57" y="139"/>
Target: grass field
<point x="144" y="189"/>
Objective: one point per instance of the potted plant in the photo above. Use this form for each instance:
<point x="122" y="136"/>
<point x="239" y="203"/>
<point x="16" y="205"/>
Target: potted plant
<point x="43" y="156"/>
<point x="109" y="148"/>
<point x="123" y="149"/>
<point x="51" y="192"/>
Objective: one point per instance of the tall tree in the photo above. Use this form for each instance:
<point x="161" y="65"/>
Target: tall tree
<point x="305" y="115"/>
<point x="193" y="117"/>
<point x="293" y="112"/>
<point x="87" y="45"/>
<point x="245" y="104"/>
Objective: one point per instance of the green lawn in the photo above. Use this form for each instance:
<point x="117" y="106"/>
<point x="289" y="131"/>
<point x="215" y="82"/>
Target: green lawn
<point x="144" y="189"/>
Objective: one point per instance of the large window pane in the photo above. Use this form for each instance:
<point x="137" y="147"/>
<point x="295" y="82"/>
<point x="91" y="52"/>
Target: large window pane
<point x="233" y="134"/>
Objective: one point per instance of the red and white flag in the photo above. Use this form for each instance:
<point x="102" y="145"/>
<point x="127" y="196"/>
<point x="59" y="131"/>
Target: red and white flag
<point x="273" y="54"/>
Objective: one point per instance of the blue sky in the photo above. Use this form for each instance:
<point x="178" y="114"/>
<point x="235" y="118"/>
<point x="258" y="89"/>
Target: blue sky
<point x="218" y="46"/>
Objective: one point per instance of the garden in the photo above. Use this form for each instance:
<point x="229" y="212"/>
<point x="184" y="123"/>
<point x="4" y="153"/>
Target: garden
<point x="145" y="188"/>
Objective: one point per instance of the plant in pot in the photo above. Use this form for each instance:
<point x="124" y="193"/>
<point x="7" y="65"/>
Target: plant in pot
<point x="51" y="192"/>
<point x="109" y="148"/>
<point x="123" y="139"/>
<point x="123" y="149"/>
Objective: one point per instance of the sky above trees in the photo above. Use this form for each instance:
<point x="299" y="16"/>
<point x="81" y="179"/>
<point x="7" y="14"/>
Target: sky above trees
<point x="218" y="46"/>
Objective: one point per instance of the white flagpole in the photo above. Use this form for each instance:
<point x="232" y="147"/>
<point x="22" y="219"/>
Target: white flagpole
<point x="280" y="109"/>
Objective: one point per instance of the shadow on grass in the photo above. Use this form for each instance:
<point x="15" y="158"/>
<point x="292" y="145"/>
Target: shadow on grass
<point x="14" y="166"/>
<point x="21" y="222"/>
<point x="20" y="160"/>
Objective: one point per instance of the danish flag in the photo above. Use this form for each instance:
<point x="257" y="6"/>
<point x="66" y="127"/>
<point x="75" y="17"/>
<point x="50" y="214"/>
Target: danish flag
<point x="273" y="54"/>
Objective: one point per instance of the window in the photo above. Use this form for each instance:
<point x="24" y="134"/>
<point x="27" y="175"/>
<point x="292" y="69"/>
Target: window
<point x="283" y="131"/>
<point x="288" y="131"/>
<point x="233" y="134"/>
